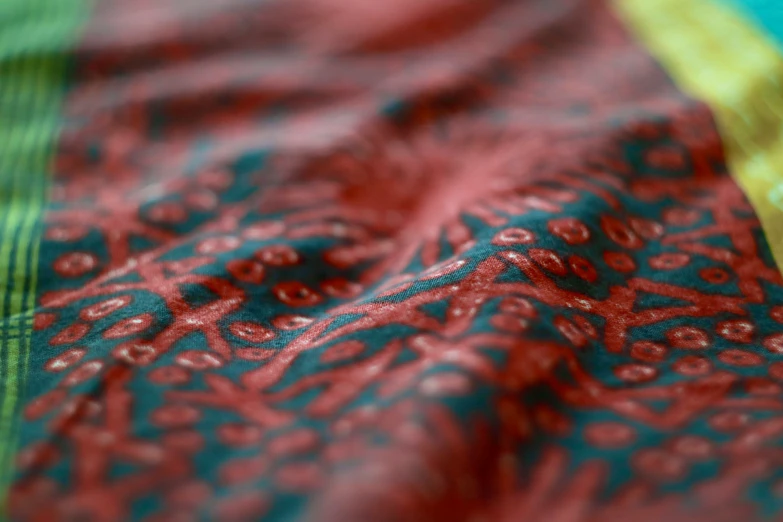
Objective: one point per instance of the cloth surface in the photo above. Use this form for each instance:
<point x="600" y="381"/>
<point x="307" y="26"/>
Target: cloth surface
<point x="356" y="260"/>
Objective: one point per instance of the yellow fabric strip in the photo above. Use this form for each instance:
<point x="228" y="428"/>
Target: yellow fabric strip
<point x="715" y="55"/>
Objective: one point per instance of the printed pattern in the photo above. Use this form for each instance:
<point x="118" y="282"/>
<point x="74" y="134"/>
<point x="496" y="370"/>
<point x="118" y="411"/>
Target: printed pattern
<point x="744" y="93"/>
<point x="495" y="279"/>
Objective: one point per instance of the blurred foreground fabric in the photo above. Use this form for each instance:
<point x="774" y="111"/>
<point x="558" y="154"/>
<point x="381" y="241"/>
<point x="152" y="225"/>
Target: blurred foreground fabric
<point x="411" y="260"/>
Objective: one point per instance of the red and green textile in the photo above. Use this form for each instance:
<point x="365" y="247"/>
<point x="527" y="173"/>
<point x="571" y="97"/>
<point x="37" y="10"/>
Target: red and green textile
<point x="420" y="261"/>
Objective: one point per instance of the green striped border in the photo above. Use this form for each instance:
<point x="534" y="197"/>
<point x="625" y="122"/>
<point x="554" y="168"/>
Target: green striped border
<point x="35" y="36"/>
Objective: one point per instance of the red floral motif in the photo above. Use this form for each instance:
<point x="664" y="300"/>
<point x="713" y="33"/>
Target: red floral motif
<point x="278" y="255"/>
<point x="136" y="353"/>
<point x="175" y="415"/>
<point x="609" y="434"/>
<point x="291" y="322"/>
<point x="65" y="360"/>
<point x="251" y="332"/>
<point x="583" y="268"/>
<point x="713" y="275"/>
<point x="635" y="373"/>
<point x="239" y="434"/>
<point x="104" y="308"/>
<point x="246" y="271"/>
<point x="775" y="370"/>
<point x="688" y="337"/>
<point x="692" y="365"/>
<point x="218" y="245"/>
<point x="169" y="375"/>
<point x="737" y="330"/>
<point x="82" y="373"/>
<point x="570" y="331"/>
<point x="774" y="343"/>
<point x="740" y="358"/>
<point x="70" y="335"/>
<point x="75" y="264"/>
<point x="294" y="293"/>
<point x="167" y="213"/>
<point x="513" y="236"/>
<point x="620" y="261"/>
<point x="129" y="326"/>
<point x="692" y="447"/>
<point x="570" y="230"/>
<point x="66" y="232"/>
<point x="341" y="288"/>
<point x="619" y="232"/>
<point x="660" y="465"/>
<point x="189" y="494"/>
<point x="648" y="351"/>
<point x="729" y="421"/>
<point x="199" y="360"/>
<point x="548" y="260"/>
<point x="44" y="320"/>
<point x="45" y="403"/>
<point x="671" y="261"/>
<point x="646" y="228"/>
<point x="681" y="217"/>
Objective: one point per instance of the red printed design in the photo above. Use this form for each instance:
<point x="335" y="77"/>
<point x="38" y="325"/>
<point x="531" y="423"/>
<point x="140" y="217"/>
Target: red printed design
<point x="452" y="260"/>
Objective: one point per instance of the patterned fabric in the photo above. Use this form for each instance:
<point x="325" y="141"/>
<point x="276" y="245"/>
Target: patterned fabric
<point x="737" y="70"/>
<point x="353" y="260"/>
